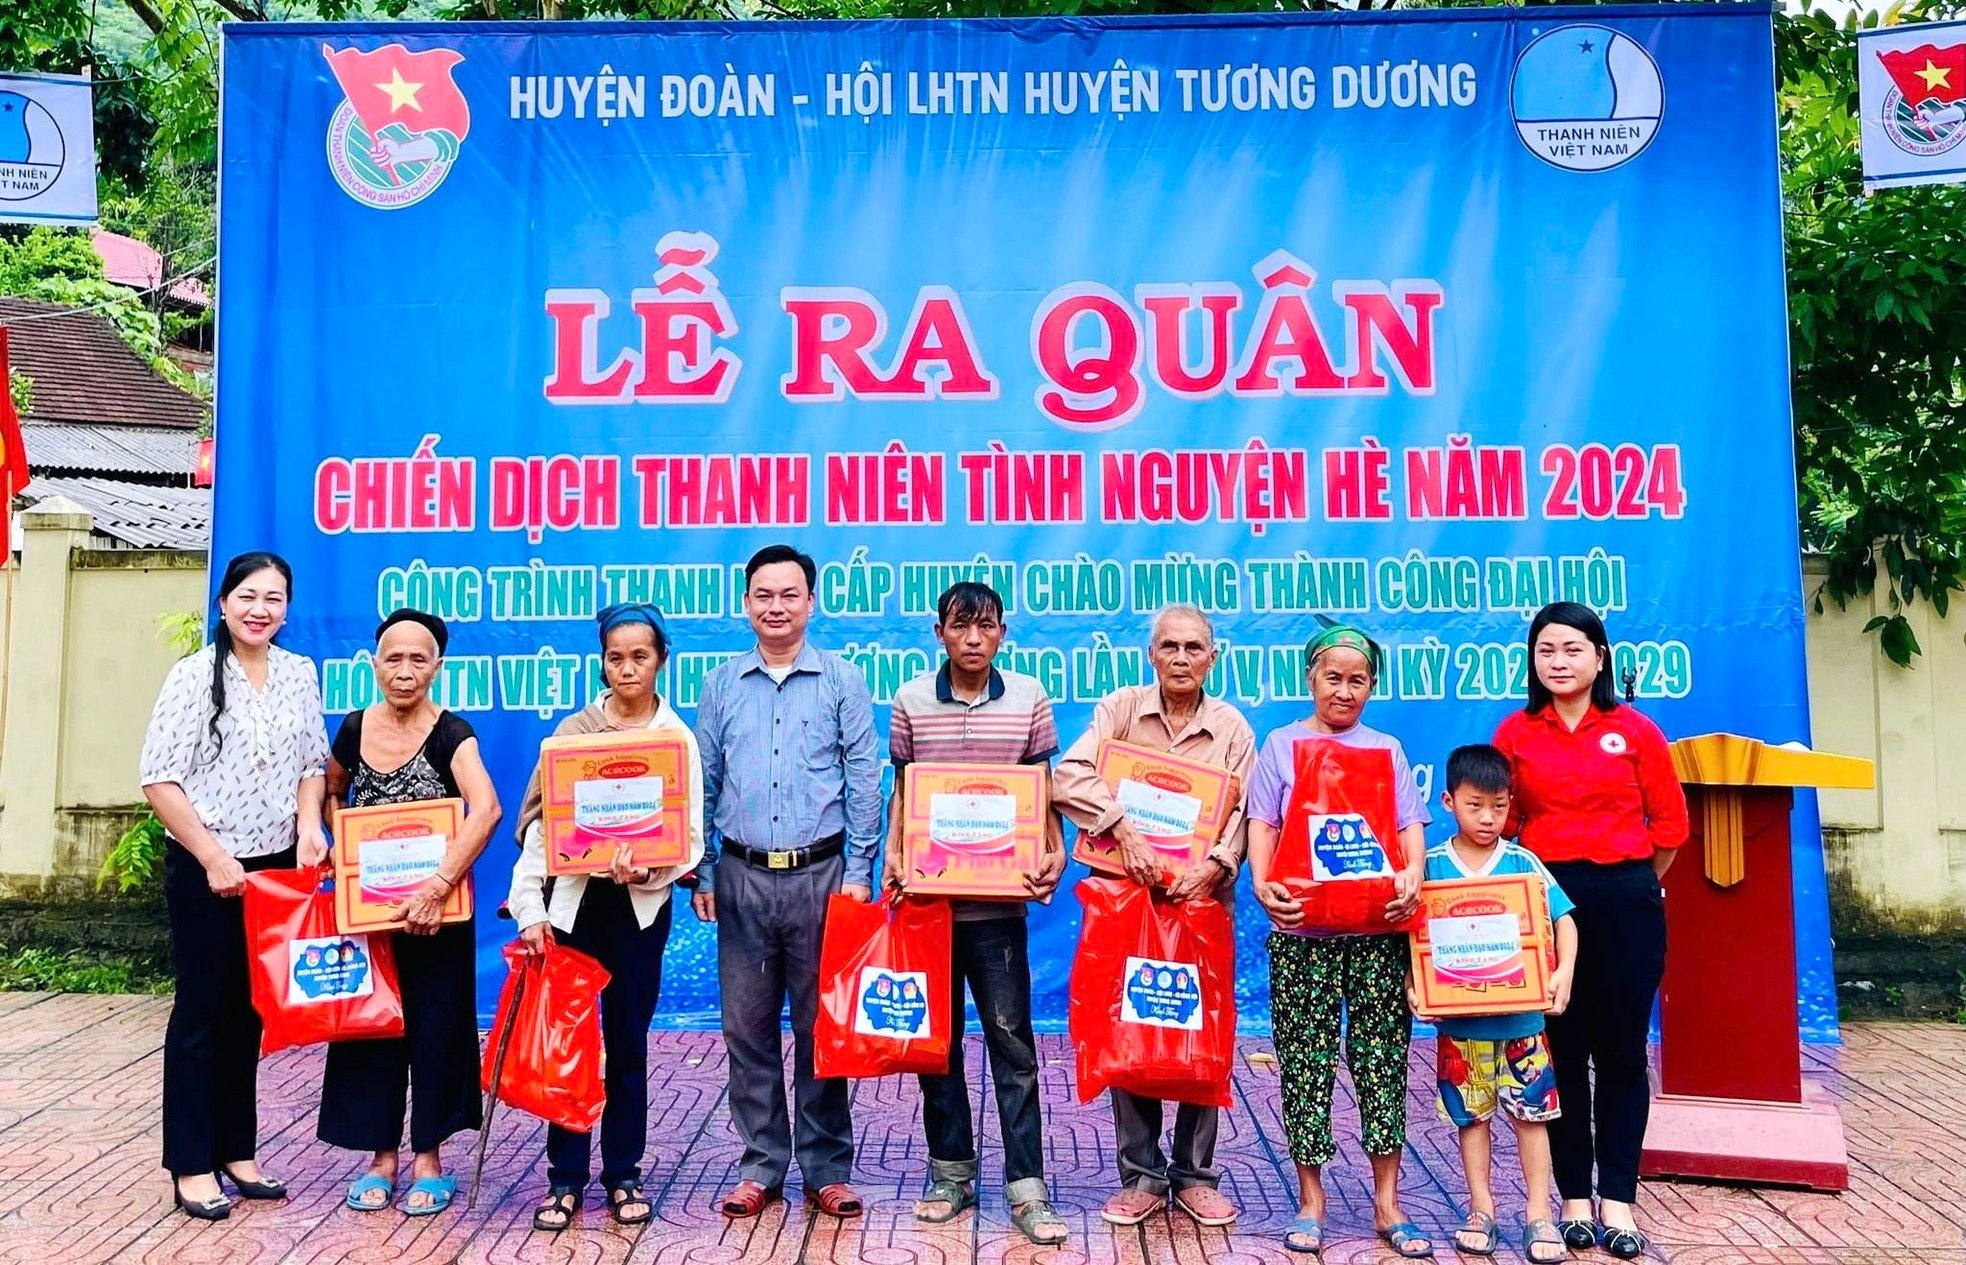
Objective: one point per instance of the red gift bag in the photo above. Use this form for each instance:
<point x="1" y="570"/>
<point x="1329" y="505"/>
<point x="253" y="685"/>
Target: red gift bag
<point x="310" y="982"/>
<point x="553" y="1058"/>
<point x="1339" y="847"/>
<point x="1153" y="994"/>
<point x="883" y="988"/>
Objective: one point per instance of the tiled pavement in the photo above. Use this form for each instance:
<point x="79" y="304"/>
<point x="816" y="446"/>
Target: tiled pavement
<point x="79" y="1180"/>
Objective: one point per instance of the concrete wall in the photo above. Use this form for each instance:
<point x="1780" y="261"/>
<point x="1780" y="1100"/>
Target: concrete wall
<point x="1897" y="854"/>
<point x="84" y="656"/>
<point x="7" y="574"/>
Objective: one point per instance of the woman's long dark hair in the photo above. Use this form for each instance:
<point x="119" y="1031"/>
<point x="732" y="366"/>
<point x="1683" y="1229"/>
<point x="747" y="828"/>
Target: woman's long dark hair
<point x="1604" y="690"/>
<point x="236" y="573"/>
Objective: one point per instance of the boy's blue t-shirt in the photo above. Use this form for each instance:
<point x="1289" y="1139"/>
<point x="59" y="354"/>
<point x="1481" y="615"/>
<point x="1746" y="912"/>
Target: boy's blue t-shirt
<point x="1506" y="859"/>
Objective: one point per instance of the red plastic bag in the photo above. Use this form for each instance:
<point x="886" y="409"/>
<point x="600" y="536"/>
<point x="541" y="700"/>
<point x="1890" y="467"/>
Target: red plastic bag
<point x="553" y="1058"/>
<point x="1339" y="847"/>
<point x="1153" y="995"/>
<point x="310" y="982"/>
<point x="883" y="988"/>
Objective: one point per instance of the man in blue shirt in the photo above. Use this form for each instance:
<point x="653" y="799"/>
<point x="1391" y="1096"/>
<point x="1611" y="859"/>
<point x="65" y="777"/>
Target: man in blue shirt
<point x="792" y="814"/>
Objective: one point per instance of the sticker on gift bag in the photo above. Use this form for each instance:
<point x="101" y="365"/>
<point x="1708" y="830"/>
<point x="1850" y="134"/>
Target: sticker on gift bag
<point x="617" y="808"/>
<point x="1485" y="949"/>
<point x="973" y="823"/>
<point x="1162" y="994"/>
<point x="1162" y="817"/>
<point x="392" y="869"/>
<point x="328" y="968"/>
<point x="1344" y="847"/>
<point x="891" y="1004"/>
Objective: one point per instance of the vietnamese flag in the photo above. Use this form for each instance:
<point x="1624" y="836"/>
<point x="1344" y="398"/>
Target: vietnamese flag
<point x="394" y="85"/>
<point x="1928" y="73"/>
<point x="13" y="451"/>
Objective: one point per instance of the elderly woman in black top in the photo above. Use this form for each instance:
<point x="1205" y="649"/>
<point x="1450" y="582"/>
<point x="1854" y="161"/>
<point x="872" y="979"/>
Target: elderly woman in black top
<point x="402" y="749"/>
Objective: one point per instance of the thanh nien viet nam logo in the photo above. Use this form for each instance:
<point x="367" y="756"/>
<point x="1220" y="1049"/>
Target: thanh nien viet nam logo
<point x="397" y="132"/>
<point x="1586" y="98"/>
<point x="32" y="151"/>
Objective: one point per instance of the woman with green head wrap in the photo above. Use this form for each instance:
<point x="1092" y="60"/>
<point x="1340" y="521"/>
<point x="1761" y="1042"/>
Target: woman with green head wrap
<point x="1317" y="979"/>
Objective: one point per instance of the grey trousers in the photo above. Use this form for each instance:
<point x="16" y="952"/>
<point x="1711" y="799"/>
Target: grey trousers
<point x="769" y="925"/>
<point x="1137" y="1125"/>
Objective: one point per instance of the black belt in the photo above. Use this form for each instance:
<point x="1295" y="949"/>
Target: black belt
<point x="792" y="858"/>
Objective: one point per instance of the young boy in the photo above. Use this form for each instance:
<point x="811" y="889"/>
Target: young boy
<point x="1486" y="1061"/>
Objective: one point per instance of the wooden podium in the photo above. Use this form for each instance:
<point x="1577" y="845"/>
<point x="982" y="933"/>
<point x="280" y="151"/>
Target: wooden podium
<point x="1731" y="1105"/>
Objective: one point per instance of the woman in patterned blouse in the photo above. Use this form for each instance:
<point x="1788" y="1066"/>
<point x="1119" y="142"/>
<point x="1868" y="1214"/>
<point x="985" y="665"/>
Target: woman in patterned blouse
<point x="232" y="764"/>
<point x="402" y="749"/>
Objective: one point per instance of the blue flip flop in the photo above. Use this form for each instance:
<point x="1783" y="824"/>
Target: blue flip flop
<point x="1406" y="1239"/>
<point x="441" y="1191"/>
<point x="1307" y="1227"/>
<point x="363" y="1185"/>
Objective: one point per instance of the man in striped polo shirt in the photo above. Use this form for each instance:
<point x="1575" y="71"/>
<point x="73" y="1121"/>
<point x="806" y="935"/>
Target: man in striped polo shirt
<point x="969" y="712"/>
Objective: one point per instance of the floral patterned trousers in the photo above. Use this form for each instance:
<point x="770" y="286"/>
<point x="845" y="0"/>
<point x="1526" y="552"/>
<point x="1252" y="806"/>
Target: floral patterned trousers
<point x="1321" y="986"/>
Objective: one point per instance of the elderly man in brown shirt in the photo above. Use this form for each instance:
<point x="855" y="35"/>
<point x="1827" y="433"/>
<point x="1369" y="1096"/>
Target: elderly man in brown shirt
<point x="1171" y="714"/>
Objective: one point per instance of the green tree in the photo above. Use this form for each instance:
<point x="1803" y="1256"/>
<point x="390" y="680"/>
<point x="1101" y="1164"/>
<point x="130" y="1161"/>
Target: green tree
<point x="58" y="265"/>
<point x="1878" y="328"/>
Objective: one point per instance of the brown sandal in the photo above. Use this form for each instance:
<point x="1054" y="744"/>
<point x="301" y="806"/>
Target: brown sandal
<point x="746" y="1199"/>
<point x="837" y="1200"/>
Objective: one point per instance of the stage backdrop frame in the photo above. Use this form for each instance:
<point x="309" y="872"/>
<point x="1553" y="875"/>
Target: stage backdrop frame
<point x="516" y="319"/>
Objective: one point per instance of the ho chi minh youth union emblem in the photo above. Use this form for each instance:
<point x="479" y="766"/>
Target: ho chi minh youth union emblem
<point x="1586" y="98"/>
<point x="402" y="120"/>
<point x="1925" y="110"/>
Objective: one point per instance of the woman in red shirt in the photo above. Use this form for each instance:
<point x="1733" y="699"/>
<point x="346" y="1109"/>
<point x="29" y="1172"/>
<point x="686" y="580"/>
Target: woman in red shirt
<point x="1597" y="799"/>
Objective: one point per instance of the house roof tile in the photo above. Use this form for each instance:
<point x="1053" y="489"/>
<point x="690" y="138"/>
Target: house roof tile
<point x="83" y="371"/>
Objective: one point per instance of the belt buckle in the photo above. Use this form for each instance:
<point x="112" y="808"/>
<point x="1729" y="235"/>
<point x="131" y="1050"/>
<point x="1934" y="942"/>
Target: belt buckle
<point x="778" y="860"/>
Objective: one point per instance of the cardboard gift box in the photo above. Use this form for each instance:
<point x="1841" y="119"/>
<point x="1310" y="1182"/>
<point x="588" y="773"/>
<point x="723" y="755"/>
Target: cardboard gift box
<point x="601" y="790"/>
<point x="383" y="853"/>
<point x="1484" y="946"/>
<point x="1177" y="806"/>
<point x="973" y="829"/>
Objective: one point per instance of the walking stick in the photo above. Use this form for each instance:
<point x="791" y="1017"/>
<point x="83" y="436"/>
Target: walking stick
<point x="497" y="1076"/>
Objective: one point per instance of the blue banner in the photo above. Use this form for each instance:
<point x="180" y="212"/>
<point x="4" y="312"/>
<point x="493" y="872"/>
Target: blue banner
<point x="1418" y="320"/>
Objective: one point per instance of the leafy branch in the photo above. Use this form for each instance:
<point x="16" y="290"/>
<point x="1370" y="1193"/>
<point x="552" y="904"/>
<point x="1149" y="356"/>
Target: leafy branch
<point x="1877" y="330"/>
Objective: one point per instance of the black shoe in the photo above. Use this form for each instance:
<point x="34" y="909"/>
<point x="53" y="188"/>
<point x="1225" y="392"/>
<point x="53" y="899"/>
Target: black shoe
<point x="1578" y="1236"/>
<point x="217" y="1208"/>
<point x="261" y="1189"/>
<point x="1626" y="1245"/>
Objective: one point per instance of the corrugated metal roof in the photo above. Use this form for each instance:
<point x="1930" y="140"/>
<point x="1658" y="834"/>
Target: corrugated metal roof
<point x="76" y="448"/>
<point x="138" y="515"/>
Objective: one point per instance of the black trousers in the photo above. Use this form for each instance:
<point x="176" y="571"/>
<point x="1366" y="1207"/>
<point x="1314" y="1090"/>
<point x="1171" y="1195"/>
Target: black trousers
<point x="993" y="957"/>
<point x="433" y="1066"/>
<point x="605" y="929"/>
<point x="1621" y="957"/>
<point x="211" y="1048"/>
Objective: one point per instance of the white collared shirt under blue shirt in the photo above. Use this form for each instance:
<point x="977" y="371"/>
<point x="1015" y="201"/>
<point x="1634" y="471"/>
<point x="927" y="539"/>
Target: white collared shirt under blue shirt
<point x="787" y="763"/>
